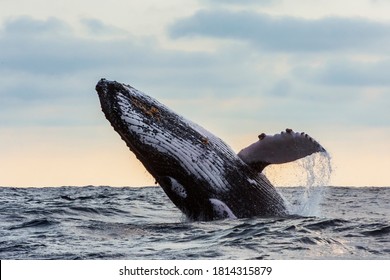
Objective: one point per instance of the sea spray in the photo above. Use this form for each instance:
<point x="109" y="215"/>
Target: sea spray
<point x="311" y="175"/>
<point x="318" y="170"/>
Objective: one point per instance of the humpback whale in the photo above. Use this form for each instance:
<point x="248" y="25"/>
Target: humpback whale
<point x="198" y="171"/>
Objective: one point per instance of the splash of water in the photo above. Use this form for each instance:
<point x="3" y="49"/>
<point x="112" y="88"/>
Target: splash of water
<point x="311" y="174"/>
<point x="318" y="170"/>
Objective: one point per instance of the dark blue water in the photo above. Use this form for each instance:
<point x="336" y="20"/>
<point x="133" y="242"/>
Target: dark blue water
<point x="142" y="223"/>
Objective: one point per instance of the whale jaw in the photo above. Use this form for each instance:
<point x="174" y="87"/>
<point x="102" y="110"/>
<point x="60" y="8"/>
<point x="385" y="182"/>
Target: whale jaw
<point x="202" y="176"/>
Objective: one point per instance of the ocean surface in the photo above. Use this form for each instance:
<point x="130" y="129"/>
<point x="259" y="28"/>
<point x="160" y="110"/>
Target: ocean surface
<point x="142" y="223"/>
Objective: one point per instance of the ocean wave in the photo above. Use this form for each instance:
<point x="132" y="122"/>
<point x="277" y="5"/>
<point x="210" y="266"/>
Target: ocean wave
<point x="142" y="223"/>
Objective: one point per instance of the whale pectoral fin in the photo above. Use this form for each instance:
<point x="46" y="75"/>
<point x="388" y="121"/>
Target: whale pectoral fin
<point x="279" y="148"/>
<point x="221" y="210"/>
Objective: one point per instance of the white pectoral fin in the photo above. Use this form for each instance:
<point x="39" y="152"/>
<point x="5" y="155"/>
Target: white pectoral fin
<point x="221" y="210"/>
<point x="279" y="148"/>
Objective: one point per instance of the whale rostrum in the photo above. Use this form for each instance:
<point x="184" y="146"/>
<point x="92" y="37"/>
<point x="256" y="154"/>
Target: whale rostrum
<point x="198" y="171"/>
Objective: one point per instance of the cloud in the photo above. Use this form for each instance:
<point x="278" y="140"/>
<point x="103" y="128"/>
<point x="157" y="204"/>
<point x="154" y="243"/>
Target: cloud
<point x="311" y="71"/>
<point x="45" y="63"/>
<point x="286" y="33"/>
<point x="43" y="48"/>
<point x="96" y="27"/>
<point x="27" y="25"/>
<point x="49" y="51"/>
<point x="347" y="72"/>
<point x="51" y="47"/>
<point x="240" y="2"/>
<point x="48" y="73"/>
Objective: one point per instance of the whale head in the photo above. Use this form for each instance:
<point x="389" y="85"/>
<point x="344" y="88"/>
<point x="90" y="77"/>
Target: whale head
<point x="146" y="125"/>
<point x="202" y="176"/>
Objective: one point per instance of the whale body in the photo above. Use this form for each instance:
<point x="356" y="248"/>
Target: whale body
<point x="198" y="171"/>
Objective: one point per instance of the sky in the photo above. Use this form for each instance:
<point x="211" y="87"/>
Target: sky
<point x="238" y="68"/>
